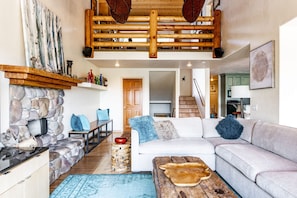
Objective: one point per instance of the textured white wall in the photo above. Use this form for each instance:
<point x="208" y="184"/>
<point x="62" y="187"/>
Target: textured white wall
<point x="288" y="73"/>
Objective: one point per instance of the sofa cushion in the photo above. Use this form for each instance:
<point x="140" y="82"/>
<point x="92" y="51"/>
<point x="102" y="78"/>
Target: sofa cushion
<point x="248" y="126"/>
<point x="215" y="141"/>
<point x="145" y="128"/>
<point x="285" y="145"/>
<point x="209" y="127"/>
<point x="180" y="146"/>
<point x="252" y="160"/>
<point x="165" y="130"/>
<point x="186" y="127"/>
<point x="229" y="128"/>
<point x="279" y="184"/>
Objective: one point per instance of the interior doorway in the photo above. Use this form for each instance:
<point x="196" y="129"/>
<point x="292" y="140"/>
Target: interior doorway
<point x="132" y="100"/>
<point x="162" y="93"/>
<point x="214" y="96"/>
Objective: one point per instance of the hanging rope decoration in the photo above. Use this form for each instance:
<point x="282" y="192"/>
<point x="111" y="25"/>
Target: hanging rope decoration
<point x="119" y="9"/>
<point x="191" y="9"/>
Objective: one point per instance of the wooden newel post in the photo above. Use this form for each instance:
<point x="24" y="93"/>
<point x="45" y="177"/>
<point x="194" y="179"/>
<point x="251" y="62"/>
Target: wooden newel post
<point x="217" y="32"/>
<point x="89" y="30"/>
<point x="153" y="34"/>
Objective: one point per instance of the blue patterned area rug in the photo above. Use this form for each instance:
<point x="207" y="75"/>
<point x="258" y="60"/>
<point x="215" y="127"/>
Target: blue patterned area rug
<point x="107" y="186"/>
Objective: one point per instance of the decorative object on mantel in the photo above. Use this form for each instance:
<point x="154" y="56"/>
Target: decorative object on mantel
<point x="43" y="37"/>
<point x="262" y="66"/>
<point x="91" y="76"/>
<point x="69" y="67"/>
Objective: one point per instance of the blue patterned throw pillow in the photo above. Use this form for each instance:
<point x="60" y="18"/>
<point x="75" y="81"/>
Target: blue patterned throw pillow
<point x="144" y="125"/>
<point x="76" y="123"/>
<point x="229" y="128"/>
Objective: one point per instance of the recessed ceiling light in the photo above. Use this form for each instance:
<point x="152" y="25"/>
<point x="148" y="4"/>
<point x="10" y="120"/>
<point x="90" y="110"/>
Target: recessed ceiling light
<point x="189" y="64"/>
<point x="117" y="64"/>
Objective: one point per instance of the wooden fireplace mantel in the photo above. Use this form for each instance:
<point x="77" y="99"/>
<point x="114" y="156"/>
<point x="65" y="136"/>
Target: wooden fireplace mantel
<point x="28" y="76"/>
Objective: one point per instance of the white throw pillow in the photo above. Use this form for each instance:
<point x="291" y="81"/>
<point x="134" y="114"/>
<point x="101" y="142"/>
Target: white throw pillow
<point x="165" y="130"/>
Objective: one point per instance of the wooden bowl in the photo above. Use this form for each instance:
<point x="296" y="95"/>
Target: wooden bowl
<point x="120" y="140"/>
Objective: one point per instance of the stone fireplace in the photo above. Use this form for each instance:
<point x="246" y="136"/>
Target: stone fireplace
<point x="33" y="103"/>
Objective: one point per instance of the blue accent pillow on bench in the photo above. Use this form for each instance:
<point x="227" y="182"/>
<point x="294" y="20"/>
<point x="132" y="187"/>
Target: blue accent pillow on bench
<point x="103" y="114"/>
<point x="76" y="123"/>
<point x="144" y="125"/>
<point x="84" y="122"/>
<point x="229" y="128"/>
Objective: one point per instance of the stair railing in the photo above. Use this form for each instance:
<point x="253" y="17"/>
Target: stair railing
<point x="201" y="97"/>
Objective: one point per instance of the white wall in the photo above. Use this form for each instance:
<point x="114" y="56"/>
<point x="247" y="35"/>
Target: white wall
<point x="202" y="76"/>
<point x="186" y="85"/>
<point x="257" y="22"/>
<point x="288" y="73"/>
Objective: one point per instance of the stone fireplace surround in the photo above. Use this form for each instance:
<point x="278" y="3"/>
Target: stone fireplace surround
<point x="33" y="103"/>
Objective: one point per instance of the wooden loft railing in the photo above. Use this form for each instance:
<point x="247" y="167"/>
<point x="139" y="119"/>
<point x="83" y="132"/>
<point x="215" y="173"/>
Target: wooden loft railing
<point x="152" y="33"/>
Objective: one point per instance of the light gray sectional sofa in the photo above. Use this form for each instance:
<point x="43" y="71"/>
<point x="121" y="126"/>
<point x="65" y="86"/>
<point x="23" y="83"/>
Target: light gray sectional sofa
<point x="261" y="163"/>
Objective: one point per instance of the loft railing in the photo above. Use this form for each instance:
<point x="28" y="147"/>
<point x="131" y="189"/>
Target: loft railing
<point x="153" y="33"/>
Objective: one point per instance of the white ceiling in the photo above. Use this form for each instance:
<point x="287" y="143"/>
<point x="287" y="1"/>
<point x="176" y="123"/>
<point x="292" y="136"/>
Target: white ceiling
<point x="238" y="62"/>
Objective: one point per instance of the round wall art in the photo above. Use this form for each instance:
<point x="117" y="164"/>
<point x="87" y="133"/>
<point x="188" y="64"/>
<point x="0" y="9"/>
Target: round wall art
<point x="262" y="66"/>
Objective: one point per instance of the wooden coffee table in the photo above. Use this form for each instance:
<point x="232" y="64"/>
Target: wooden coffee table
<point x="212" y="187"/>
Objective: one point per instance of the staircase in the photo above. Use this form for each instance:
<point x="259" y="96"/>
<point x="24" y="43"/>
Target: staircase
<point x="188" y="107"/>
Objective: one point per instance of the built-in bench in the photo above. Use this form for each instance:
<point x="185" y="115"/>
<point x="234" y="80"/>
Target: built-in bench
<point x="99" y="129"/>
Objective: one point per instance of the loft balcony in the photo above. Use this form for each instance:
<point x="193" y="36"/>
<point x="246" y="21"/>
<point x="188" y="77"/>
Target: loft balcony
<point x="153" y="34"/>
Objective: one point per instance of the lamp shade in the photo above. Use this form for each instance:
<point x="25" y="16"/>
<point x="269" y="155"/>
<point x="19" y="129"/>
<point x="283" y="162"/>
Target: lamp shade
<point x="240" y="91"/>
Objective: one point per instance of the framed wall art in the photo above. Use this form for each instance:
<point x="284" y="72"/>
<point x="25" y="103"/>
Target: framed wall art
<point x="262" y="66"/>
<point x="43" y="37"/>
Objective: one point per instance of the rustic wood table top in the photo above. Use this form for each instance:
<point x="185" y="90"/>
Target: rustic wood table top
<point x="212" y="187"/>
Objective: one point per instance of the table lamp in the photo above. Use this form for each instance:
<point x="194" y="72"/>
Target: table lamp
<point x="241" y="92"/>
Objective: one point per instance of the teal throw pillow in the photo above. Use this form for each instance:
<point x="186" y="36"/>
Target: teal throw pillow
<point x="84" y="122"/>
<point x="103" y="114"/>
<point x="76" y="123"/>
<point x="144" y="125"/>
<point x="229" y="128"/>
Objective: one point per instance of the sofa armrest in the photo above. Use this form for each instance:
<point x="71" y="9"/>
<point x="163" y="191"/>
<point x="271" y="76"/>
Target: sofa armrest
<point x="134" y="150"/>
<point x="134" y="141"/>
